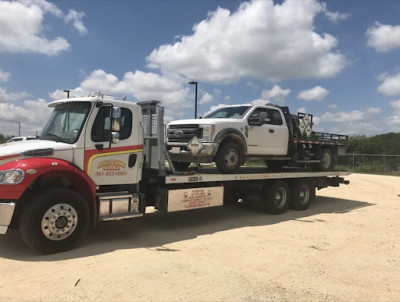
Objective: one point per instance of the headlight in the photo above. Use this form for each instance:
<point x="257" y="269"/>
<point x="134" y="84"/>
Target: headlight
<point x="208" y="131"/>
<point x="11" y="177"/>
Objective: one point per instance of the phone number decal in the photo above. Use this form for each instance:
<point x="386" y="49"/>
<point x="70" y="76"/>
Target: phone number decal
<point x="111" y="173"/>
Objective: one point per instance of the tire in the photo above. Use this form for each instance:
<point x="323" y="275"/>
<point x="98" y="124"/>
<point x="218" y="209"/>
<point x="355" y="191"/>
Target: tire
<point x="181" y="166"/>
<point x="276" y="197"/>
<point x="229" y="158"/>
<point x="302" y="193"/>
<point x="327" y="162"/>
<point x="54" y="220"/>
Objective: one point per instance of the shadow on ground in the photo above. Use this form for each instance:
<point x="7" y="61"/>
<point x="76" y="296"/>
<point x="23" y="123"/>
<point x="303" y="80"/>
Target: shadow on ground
<point x="156" y="229"/>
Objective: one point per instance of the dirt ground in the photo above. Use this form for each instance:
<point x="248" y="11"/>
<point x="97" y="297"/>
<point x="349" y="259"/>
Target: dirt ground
<point x="345" y="247"/>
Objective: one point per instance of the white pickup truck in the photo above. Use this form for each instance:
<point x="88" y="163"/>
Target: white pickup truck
<point x="229" y="135"/>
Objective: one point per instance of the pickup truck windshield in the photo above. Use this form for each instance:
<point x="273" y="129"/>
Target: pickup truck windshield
<point x="229" y="112"/>
<point x="66" y="122"/>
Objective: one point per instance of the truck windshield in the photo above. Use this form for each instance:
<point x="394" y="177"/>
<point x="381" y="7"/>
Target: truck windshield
<point x="228" y="112"/>
<point x="66" y="122"/>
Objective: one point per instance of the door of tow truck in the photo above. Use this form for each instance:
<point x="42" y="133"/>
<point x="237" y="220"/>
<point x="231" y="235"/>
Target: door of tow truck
<point x="110" y="160"/>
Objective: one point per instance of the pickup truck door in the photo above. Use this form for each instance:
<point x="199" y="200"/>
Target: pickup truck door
<point x="110" y="164"/>
<point x="268" y="137"/>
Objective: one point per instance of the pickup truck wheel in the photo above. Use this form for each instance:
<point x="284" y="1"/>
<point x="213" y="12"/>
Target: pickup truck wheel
<point x="54" y="220"/>
<point x="276" y="197"/>
<point x="326" y="162"/>
<point x="302" y="194"/>
<point x="181" y="166"/>
<point x="229" y="158"/>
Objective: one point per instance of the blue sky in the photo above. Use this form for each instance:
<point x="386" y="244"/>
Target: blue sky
<point x="338" y="60"/>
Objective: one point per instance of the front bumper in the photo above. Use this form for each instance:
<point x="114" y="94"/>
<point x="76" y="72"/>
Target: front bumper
<point x="6" y="214"/>
<point x="183" y="153"/>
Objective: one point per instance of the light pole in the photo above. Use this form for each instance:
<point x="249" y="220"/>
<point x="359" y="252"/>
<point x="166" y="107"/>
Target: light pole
<point x="195" y="98"/>
<point x="67" y="91"/>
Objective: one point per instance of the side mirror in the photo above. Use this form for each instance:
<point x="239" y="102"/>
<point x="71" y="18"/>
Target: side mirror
<point x="115" y="137"/>
<point x="116" y="114"/>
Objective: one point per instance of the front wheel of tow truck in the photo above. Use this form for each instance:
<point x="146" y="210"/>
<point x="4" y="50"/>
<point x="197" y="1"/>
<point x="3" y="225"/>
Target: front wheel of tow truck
<point x="276" y="197"/>
<point x="54" y="220"/>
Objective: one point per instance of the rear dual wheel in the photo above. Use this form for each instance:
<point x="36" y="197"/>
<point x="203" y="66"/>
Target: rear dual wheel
<point x="302" y="194"/>
<point x="278" y="196"/>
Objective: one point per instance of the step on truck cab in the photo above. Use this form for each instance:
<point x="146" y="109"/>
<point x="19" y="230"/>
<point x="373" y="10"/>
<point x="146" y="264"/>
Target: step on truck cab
<point x="102" y="159"/>
<point x="229" y="135"/>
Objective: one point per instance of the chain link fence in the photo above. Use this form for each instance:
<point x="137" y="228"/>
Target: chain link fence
<point x="370" y="163"/>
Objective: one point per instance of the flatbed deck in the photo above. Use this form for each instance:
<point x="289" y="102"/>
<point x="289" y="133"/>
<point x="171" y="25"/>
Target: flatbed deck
<point x="210" y="174"/>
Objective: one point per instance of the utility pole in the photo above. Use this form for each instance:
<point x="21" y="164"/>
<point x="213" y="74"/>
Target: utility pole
<point x="195" y="98"/>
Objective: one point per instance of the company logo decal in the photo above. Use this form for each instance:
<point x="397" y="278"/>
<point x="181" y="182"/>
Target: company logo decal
<point x="111" y="165"/>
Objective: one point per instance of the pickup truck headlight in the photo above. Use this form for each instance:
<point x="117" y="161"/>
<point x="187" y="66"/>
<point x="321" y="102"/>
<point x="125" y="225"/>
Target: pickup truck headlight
<point x="208" y="131"/>
<point x="11" y="177"/>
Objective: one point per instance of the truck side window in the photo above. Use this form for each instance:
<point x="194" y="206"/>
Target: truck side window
<point x="275" y="116"/>
<point x="254" y="117"/>
<point x="101" y="129"/>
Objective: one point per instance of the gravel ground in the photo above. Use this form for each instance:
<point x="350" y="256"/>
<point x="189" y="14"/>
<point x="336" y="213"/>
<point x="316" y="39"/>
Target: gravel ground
<point x="345" y="247"/>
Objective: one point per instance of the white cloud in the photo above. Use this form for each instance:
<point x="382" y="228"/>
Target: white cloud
<point x="206" y="98"/>
<point x="259" y="40"/>
<point x="317" y="93"/>
<point x="396" y="106"/>
<point x="336" y="16"/>
<point x="4" y="76"/>
<point x="22" y="26"/>
<point x="76" y="19"/>
<point x="26" y="114"/>
<point x="350" y="116"/>
<point x="276" y="94"/>
<point x="333" y="106"/>
<point x="393" y="122"/>
<point x="171" y="90"/>
<point x="383" y="37"/>
<point x="390" y="85"/>
<point x="6" y="97"/>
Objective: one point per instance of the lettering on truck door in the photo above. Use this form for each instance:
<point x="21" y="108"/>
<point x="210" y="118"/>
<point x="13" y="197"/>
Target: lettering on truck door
<point x="120" y="163"/>
<point x="268" y="137"/>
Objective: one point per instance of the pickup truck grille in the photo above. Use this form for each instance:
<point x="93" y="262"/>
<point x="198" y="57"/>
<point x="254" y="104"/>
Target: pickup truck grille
<point x="183" y="133"/>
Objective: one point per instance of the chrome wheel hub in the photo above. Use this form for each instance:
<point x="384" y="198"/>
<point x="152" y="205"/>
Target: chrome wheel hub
<point x="304" y="195"/>
<point x="231" y="159"/>
<point x="59" y="222"/>
<point x="280" y="198"/>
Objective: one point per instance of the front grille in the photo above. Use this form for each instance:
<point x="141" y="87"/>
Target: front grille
<point x="183" y="133"/>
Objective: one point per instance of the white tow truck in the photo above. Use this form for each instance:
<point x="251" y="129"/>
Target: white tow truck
<point x="101" y="159"/>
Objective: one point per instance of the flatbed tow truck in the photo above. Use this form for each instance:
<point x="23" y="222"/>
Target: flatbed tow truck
<point x="102" y="159"/>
